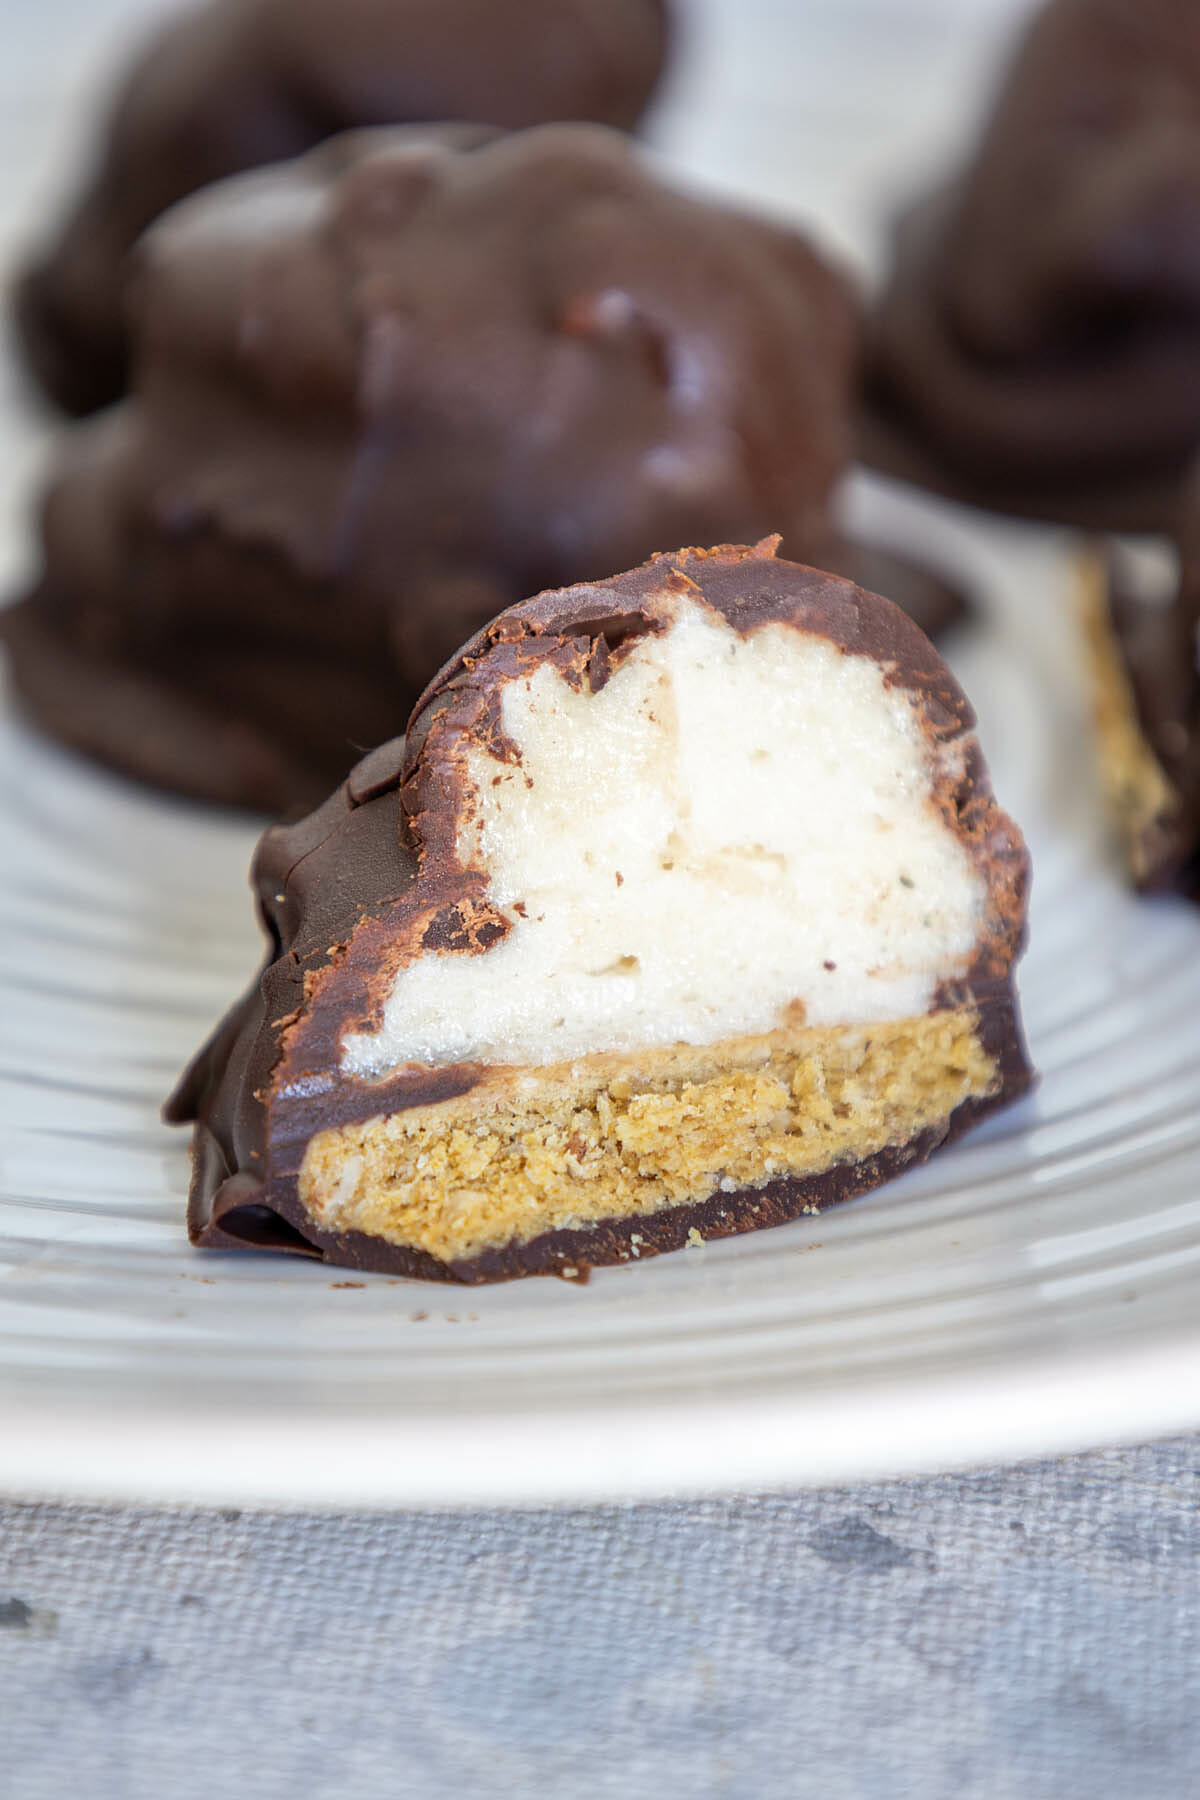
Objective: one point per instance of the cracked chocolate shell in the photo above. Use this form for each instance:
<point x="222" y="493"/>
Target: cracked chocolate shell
<point x="234" y="84"/>
<point x="1037" y="348"/>
<point x="385" y="392"/>
<point x="684" y="909"/>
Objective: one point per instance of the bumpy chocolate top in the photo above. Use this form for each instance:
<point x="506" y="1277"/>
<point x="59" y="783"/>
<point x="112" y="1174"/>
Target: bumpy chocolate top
<point x="238" y="83"/>
<point x="385" y="391"/>
<point x="1039" y="344"/>
<point x="373" y="877"/>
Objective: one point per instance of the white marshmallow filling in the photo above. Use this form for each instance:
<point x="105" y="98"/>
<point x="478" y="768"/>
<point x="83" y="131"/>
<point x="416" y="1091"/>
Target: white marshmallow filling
<point x="733" y="833"/>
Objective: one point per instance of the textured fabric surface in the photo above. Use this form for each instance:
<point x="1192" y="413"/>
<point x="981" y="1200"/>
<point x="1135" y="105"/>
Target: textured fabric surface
<point x="1028" y="1634"/>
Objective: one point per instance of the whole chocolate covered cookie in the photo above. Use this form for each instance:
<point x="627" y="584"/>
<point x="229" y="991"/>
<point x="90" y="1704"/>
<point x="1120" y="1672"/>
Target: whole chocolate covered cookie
<point x="1037" y="348"/>
<point x="385" y="391"/>
<point x="235" y="84"/>
<point x="685" y="909"/>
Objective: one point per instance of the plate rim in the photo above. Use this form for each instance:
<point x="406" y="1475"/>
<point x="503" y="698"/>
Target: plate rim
<point x="1005" y="1412"/>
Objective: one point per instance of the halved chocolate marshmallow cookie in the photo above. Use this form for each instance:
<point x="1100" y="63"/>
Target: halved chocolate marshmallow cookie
<point x="685" y="908"/>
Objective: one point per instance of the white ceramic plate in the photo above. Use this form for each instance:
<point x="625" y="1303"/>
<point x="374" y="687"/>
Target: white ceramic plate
<point x="1033" y="1290"/>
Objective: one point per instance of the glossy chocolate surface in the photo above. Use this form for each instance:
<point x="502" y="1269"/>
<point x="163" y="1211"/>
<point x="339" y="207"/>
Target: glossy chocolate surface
<point x="384" y="392"/>
<point x="235" y="84"/>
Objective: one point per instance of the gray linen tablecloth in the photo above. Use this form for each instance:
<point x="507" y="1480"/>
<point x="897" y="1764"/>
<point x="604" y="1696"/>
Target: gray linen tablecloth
<point x="1028" y="1634"/>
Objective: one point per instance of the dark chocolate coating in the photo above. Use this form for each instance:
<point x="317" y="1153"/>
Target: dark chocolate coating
<point x="1159" y="648"/>
<point x="382" y="393"/>
<point x="372" y="877"/>
<point x="1038" y="346"/>
<point x="235" y="84"/>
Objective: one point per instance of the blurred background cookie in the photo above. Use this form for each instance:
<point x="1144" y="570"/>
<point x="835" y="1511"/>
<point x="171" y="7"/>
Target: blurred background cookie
<point x="234" y="84"/>
<point x="1037" y="347"/>
<point x="384" y="391"/>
